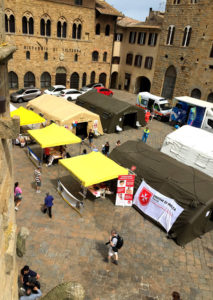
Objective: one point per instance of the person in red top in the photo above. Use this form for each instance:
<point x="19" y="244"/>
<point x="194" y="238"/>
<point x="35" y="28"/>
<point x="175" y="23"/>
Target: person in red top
<point x="147" y="116"/>
<point x="46" y="154"/>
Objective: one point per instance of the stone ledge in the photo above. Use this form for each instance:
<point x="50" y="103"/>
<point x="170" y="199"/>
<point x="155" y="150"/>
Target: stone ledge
<point x="9" y="128"/>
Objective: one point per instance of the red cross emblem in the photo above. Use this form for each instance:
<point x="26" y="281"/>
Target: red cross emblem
<point x="145" y="196"/>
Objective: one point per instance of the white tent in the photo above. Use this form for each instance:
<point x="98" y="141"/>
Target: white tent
<point x="191" y="146"/>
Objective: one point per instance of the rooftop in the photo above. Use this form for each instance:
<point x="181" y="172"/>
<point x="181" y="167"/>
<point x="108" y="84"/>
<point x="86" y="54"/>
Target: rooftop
<point x="105" y="8"/>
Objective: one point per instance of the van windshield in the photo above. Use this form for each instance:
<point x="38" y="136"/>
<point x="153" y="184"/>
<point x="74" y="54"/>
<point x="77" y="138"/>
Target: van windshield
<point x="51" y="88"/>
<point x="165" y="106"/>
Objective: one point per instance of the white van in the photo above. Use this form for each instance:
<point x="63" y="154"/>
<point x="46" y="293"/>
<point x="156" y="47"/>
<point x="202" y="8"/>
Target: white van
<point x="160" y="106"/>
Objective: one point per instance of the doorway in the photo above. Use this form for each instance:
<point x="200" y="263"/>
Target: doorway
<point x="61" y="76"/>
<point x="127" y="81"/>
<point x="143" y="84"/>
<point x="81" y="130"/>
<point x="114" y="78"/>
<point x="129" y="121"/>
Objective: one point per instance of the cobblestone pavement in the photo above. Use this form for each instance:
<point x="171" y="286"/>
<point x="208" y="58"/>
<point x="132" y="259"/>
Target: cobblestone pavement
<point x="70" y="248"/>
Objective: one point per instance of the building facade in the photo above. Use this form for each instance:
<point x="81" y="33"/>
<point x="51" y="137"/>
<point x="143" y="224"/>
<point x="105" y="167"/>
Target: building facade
<point x="185" y="56"/>
<point x="135" y="51"/>
<point x="8" y="267"/>
<point x="65" y="42"/>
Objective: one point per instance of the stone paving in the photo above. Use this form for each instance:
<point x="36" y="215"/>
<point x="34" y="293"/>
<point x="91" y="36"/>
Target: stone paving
<point x="71" y="248"/>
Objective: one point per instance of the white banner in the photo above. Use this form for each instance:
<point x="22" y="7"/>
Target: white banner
<point x="157" y="206"/>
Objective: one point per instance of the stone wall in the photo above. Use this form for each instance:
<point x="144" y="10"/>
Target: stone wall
<point x="192" y="63"/>
<point x="8" y="269"/>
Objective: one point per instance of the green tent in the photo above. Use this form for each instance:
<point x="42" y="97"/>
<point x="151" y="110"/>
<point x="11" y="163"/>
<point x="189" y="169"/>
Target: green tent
<point x="190" y="188"/>
<point x="113" y="112"/>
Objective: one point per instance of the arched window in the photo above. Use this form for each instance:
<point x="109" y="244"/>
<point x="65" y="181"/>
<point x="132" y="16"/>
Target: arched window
<point x="45" y="80"/>
<point x="24" y="25"/>
<point x="12" y="24"/>
<point x="84" y="79"/>
<point x="129" y="59"/>
<point x="171" y="34"/>
<point x="31" y="25"/>
<point x="210" y="98"/>
<point x="6" y="22"/>
<point x="105" y="56"/>
<point x="29" y="79"/>
<point x="169" y="82"/>
<point x="98" y="29"/>
<point x="64" y="33"/>
<point x="59" y="29"/>
<point x="42" y="27"/>
<point x="79" y="31"/>
<point x="102" y="78"/>
<point x="74" y="29"/>
<point x="95" y="55"/>
<point x="27" y="55"/>
<point x="196" y="93"/>
<point x="45" y="56"/>
<point x="48" y="28"/>
<point x="74" y="81"/>
<point x="76" y="57"/>
<point x="187" y="36"/>
<point x="12" y="80"/>
<point x="92" y="77"/>
<point x="107" y="30"/>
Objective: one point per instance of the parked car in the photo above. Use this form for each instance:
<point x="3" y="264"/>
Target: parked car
<point x="55" y="90"/>
<point x="25" y="94"/>
<point x="104" y="91"/>
<point x="91" y="86"/>
<point x="70" y="94"/>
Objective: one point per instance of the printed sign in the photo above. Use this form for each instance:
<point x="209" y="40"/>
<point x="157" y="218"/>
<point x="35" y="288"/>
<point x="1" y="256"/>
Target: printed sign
<point x="125" y="188"/>
<point x="157" y="206"/>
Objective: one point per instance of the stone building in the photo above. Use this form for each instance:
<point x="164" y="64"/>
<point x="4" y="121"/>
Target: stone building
<point x="185" y="56"/>
<point x="135" y="51"/>
<point x="65" y="42"/>
<point x="8" y="270"/>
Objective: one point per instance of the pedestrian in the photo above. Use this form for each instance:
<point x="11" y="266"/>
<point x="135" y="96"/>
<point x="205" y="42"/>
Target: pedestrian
<point x="175" y="296"/>
<point x="152" y="113"/>
<point x="33" y="294"/>
<point x="29" y="279"/>
<point x="90" y="137"/>
<point x="37" y="174"/>
<point x="105" y="149"/>
<point x="17" y="195"/>
<point x="146" y="133"/>
<point x="147" y="116"/>
<point x="113" y="251"/>
<point x="48" y="203"/>
<point x="118" y="143"/>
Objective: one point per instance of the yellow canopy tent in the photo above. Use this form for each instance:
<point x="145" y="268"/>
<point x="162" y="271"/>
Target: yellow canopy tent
<point x="54" y="135"/>
<point x="93" y="168"/>
<point x="27" y="117"/>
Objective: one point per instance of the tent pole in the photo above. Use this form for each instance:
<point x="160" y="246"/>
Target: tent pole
<point x="42" y="156"/>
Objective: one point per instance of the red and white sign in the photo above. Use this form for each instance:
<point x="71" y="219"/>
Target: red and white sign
<point x="125" y="188"/>
<point x="157" y="206"/>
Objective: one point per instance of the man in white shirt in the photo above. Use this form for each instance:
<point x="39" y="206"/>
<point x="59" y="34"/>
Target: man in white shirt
<point x="113" y="251"/>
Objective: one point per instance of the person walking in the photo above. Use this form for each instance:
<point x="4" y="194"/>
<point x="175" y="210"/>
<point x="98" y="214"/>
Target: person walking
<point x="147" y="116"/>
<point x="17" y="195"/>
<point x="91" y="137"/>
<point x="105" y="149"/>
<point x="113" y="251"/>
<point x="146" y="133"/>
<point x="48" y="203"/>
<point x="26" y="278"/>
<point x="37" y="174"/>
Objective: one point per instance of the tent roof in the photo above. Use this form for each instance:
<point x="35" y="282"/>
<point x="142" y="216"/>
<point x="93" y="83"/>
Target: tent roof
<point x="57" y="108"/>
<point x="27" y="117"/>
<point x="109" y="104"/>
<point x="93" y="168"/>
<point x="196" y="138"/>
<point x="185" y="184"/>
<point x="54" y="135"/>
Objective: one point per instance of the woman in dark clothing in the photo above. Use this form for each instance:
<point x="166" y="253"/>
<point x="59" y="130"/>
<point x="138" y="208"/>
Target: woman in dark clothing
<point x="105" y="149"/>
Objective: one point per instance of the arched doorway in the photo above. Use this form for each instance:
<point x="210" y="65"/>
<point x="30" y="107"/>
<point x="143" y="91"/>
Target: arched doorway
<point x="102" y="78"/>
<point x="143" y="84"/>
<point x="196" y="93"/>
<point x="114" y="78"/>
<point x="169" y="82"/>
<point x="74" y="81"/>
<point x="210" y="98"/>
<point x="61" y="76"/>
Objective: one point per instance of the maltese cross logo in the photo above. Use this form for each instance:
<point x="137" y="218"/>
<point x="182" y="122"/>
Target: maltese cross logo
<point x="145" y="196"/>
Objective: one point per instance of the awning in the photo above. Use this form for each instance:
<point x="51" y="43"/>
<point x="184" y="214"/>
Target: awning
<point x="27" y="117"/>
<point x="54" y="135"/>
<point x="93" y="168"/>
